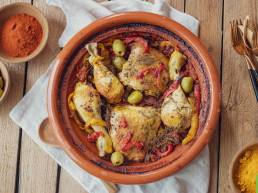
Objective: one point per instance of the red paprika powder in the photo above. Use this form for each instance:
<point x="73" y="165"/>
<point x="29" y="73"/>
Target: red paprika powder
<point x="20" y="35"/>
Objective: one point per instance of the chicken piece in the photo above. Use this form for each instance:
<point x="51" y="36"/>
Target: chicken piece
<point x="176" y="61"/>
<point x="132" y="129"/>
<point x="176" y="111"/>
<point x="145" y="71"/>
<point x="105" y="81"/>
<point x="86" y="101"/>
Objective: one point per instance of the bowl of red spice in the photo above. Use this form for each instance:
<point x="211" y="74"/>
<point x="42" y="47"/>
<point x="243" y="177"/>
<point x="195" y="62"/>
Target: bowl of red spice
<point x="23" y="32"/>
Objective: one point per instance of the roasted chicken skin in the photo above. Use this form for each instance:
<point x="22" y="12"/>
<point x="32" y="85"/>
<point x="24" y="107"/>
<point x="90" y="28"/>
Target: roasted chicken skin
<point x="105" y="81"/>
<point x="145" y="70"/>
<point x="176" y="111"/>
<point x="87" y="103"/>
<point x="132" y="129"/>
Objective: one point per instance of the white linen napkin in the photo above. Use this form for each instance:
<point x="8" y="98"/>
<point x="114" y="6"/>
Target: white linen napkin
<point x="31" y="110"/>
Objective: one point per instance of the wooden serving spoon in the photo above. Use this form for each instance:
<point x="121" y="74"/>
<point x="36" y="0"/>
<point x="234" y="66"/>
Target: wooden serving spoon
<point x="47" y="135"/>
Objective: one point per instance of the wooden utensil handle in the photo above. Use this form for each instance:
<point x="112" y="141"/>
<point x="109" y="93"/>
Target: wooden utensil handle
<point x="47" y="135"/>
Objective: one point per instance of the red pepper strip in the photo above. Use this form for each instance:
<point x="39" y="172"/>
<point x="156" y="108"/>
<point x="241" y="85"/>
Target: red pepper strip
<point x="94" y="136"/>
<point x="128" y="137"/>
<point x="130" y="145"/>
<point x="126" y="141"/>
<point x="159" y="69"/>
<point x="158" y="72"/>
<point x="127" y="147"/>
<point x="139" y="40"/>
<point x="143" y="72"/>
<point x="139" y="145"/>
<point x="127" y="144"/>
<point x="123" y="123"/>
<point x="197" y="95"/>
<point x="191" y="71"/>
<point x="171" y="89"/>
<point x="183" y="74"/>
<point x="170" y="148"/>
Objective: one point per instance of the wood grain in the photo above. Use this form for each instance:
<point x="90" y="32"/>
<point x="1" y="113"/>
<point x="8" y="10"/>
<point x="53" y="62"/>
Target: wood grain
<point x="177" y="4"/>
<point x="38" y="171"/>
<point x="68" y="184"/>
<point x="9" y="132"/>
<point x="239" y="121"/>
<point x="210" y="15"/>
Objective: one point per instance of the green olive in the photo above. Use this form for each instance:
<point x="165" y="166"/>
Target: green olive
<point x="117" y="158"/>
<point x="187" y="84"/>
<point x="119" y="47"/>
<point x="1" y="92"/>
<point x="135" y="97"/>
<point x="1" y="82"/>
<point x="118" y="62"/>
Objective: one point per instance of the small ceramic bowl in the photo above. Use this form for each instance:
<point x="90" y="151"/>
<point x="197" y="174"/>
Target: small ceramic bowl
<point x="17" y="8"/>
<point x="72" y="139"/>
<point x="5" y="75"/>
<point x="234" y="164"/>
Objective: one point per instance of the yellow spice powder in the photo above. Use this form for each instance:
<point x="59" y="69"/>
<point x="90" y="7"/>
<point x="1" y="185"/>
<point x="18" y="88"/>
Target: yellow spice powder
<point x="247" y="171"/>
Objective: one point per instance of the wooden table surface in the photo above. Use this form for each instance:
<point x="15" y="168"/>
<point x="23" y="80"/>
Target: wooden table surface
<point x="25" y="168"/>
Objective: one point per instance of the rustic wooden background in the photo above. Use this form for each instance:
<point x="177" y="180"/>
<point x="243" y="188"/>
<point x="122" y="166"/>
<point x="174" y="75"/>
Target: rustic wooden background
<point x="25" y="168"/>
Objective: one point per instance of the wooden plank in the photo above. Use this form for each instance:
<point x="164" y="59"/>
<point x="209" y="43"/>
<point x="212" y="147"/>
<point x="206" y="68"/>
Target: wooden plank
<point x="38" y="171"/>
<point x="177" y="4"/>
<point x="203" y="9"/>
<point x="9" y="135"/>
<point x="68" y="184"/>
<point x="239" y="113"/>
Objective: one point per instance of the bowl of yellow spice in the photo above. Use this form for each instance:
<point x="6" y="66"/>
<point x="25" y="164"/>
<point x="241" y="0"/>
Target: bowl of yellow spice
<point x="244" y="170"/>
<point x="4" y="82"/>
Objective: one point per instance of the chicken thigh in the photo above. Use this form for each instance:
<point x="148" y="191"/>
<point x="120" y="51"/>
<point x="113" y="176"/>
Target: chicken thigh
<point x="87" y="103"/>
<point x="145" y="71"/>
<point x="176" y="111"/>
<point x="132" y="129"/>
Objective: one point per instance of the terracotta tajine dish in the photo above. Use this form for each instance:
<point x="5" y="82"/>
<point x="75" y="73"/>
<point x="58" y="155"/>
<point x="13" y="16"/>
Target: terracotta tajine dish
<point x="71" y="137"/>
